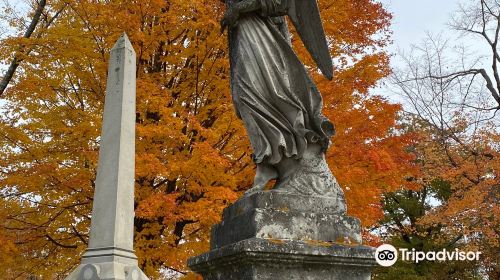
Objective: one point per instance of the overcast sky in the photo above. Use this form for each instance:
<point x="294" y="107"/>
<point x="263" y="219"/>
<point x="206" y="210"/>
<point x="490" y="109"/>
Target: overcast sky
<point x="412" y="19"/>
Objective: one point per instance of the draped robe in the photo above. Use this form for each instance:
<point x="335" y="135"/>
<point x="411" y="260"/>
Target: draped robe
<point x="271" y="89"/>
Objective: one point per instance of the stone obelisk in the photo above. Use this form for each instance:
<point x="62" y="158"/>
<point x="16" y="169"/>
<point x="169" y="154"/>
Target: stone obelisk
<point x="110" y="254"/>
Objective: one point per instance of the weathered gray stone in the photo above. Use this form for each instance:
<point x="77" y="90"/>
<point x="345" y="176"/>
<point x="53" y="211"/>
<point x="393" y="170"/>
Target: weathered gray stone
<point x="110" y="254"/>
<point x="272" y="91"/>
<point x="312" y="176"/>
<point x="275" y="235"/>
<point x="265" y="259"/>
<point x="262" y="223"/>
<point x="285" y="202"/>
<point x="275" y="215"/>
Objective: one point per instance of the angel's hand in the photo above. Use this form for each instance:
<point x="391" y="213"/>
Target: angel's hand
<point x="230" y="19"/>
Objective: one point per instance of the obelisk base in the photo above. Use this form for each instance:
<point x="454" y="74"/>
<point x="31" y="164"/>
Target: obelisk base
<point x="267" y="259"/>
<point x="109" y="264"/>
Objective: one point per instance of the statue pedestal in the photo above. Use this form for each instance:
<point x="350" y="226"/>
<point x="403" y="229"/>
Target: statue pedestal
<point x="273" y="236"/>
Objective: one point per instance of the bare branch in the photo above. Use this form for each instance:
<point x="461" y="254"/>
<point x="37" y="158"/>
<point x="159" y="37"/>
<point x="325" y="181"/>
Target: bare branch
<point x="60" y="244"/>
<point x="29" y="31"/>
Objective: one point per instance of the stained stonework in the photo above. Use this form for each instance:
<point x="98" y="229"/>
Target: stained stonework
<point x="275" y="235"/>
<point x="268" y="259"/>
<point x="275" y="215"/>
<point x="313" y="177"/>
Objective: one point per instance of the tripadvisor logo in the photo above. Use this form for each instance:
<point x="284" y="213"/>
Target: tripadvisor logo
<point x="387" y="255"/>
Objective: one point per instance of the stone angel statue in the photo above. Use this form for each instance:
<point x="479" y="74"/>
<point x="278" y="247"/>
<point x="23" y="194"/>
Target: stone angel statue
<point x="276" y="98"/>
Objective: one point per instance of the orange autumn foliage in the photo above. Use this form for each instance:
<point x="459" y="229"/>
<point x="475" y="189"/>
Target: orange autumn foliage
<point x="193" y="157"/>
<point x="470" y="215"/>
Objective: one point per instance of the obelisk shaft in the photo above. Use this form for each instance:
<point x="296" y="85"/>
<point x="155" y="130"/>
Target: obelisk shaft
<point x="113" y="210"/>
<point x="110" y="254"/>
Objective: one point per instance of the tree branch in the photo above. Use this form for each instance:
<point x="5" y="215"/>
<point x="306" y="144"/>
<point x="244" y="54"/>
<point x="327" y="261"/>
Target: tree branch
<point x="15" y="62"/>
<point x="59" y="244"/>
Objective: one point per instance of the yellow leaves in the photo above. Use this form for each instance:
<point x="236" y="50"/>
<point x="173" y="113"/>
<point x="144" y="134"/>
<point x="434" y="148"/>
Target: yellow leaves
<point x="8" y="250"/>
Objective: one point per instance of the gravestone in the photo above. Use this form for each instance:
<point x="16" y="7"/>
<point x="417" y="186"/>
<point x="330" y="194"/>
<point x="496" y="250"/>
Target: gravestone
<point x="110" y="254"/>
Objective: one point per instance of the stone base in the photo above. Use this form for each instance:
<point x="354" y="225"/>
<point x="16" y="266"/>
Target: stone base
<point x="275" y="215"/>
<point x="267" y="259"/>
<point x="108" y="264"/>
<point x="274" y="235"/>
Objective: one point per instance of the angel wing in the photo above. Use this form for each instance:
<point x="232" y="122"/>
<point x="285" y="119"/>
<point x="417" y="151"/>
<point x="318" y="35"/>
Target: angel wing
<point x="306" y="18"/>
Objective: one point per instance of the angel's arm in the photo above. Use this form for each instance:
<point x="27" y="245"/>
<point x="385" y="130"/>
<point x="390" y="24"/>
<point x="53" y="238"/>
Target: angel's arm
<point x="274" y="8"/>
<point x="267" y="8"/>
<point x="270" y="8"/>
<point x="247" y="6"/>
<point x="234" y="11"/>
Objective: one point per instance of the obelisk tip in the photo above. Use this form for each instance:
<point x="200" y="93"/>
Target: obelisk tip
<point x="123" y="42"/>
